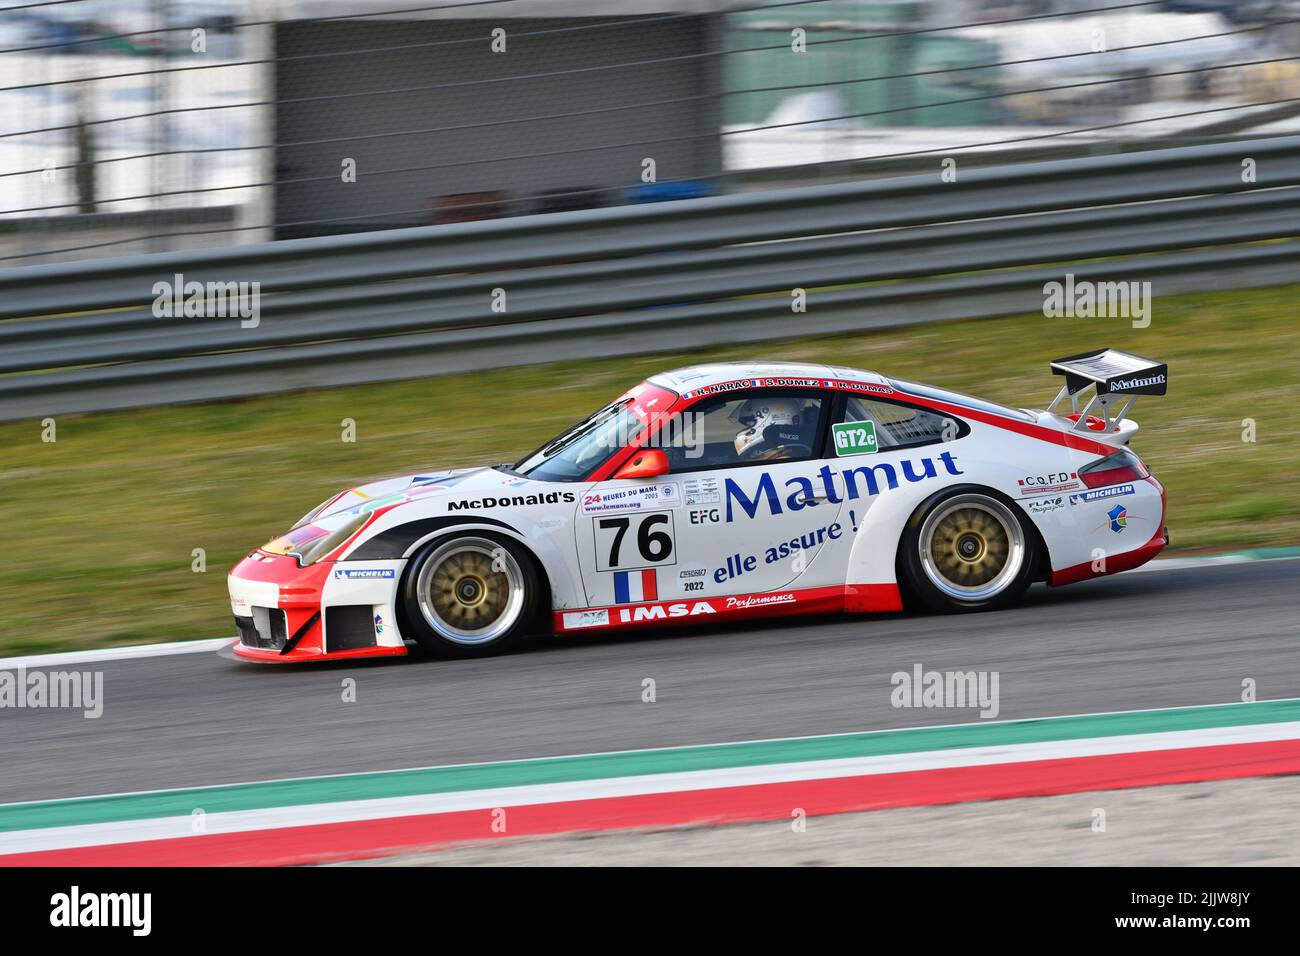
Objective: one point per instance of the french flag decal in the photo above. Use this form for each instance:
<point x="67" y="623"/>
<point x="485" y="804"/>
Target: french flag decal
<point x="632" y="587"/>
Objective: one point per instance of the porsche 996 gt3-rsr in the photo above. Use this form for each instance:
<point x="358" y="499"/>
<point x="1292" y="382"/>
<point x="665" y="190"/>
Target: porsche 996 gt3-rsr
<point x="723" y="491"/>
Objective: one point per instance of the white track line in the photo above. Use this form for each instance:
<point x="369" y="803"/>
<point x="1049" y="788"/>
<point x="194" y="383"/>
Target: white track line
<point x="216" y="643"/>
<point x="115" y="653"/>
<point x="1209" y="561"/>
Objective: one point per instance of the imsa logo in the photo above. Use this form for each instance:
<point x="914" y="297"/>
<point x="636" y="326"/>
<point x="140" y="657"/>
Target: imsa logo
<point x="660" y="612"/>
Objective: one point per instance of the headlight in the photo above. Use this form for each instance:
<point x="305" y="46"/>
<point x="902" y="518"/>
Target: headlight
<point x="313" y="551"/>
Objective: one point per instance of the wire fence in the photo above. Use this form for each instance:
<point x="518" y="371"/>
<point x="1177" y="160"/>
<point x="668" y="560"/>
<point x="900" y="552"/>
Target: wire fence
<point x="153" y="125"/>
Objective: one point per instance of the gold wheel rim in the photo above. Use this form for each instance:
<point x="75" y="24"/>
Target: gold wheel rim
<point x="970" y="547"/>
<point x="467" y="592"/>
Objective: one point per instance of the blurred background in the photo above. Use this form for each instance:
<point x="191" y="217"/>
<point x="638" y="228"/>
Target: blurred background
<point x="131" y="126"/>
<point x="144" y="138"/>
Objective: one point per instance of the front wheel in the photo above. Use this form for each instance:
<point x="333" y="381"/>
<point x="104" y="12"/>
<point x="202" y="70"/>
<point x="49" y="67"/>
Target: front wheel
<point x="469" y="595"/>
<point x="967" y="549"/>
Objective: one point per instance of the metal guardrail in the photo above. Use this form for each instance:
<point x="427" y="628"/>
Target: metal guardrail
<point x="416" y="302"/>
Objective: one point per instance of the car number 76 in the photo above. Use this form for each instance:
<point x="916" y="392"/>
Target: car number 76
<point x="651" y="542"/>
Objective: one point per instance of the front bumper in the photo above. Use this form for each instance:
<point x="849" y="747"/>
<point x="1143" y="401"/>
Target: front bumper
<point x="330" y="610"/>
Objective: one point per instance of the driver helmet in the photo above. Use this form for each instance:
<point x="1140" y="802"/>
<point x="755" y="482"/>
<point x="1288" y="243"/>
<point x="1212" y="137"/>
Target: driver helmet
<point x="756" y="416"/>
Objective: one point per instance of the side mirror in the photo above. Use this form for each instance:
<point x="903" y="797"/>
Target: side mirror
<point x="647" y="463"/>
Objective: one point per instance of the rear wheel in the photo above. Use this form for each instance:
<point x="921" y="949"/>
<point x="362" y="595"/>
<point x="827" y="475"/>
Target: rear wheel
<point x="470" y="595"/>
<point x="967" y="549"/>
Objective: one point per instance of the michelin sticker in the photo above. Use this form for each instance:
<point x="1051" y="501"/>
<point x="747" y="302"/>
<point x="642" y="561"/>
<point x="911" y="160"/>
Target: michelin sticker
<point x="1101" y="493"/>
<point x="355" y="573"/>
<point x="636" y="498"/>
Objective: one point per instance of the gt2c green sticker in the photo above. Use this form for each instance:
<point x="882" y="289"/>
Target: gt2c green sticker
<point x="854" y="438"/>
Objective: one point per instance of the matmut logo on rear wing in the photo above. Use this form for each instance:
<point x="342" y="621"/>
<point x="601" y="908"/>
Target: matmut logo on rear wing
<point x="1115" y="378"/>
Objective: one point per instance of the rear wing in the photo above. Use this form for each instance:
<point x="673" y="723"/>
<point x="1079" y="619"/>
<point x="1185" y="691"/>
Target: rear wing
<point x="1115" y="379"/>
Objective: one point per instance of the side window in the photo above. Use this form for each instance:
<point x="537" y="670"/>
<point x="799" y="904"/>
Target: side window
<point x="756" y="427"/>
<point x="863" y="425"/>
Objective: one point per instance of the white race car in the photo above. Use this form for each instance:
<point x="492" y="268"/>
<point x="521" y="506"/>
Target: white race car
<point x="723" y="491"/>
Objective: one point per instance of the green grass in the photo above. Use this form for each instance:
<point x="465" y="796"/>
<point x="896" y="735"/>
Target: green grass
<point x="100" y="525"/>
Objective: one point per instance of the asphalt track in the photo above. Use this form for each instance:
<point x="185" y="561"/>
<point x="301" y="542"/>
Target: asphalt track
<point x="1158" y="639"/>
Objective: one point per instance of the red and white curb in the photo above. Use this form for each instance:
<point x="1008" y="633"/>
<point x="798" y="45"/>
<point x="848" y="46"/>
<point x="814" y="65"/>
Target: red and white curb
<point x="367" y="815"/>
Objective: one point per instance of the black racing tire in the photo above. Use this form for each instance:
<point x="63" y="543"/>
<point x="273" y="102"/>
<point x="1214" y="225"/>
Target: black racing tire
<point x="470" y="594"/>
<point x="968" y="548"/>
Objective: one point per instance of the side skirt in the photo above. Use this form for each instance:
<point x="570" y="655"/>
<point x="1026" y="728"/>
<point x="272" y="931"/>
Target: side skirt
<point x="856" y="598"/>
